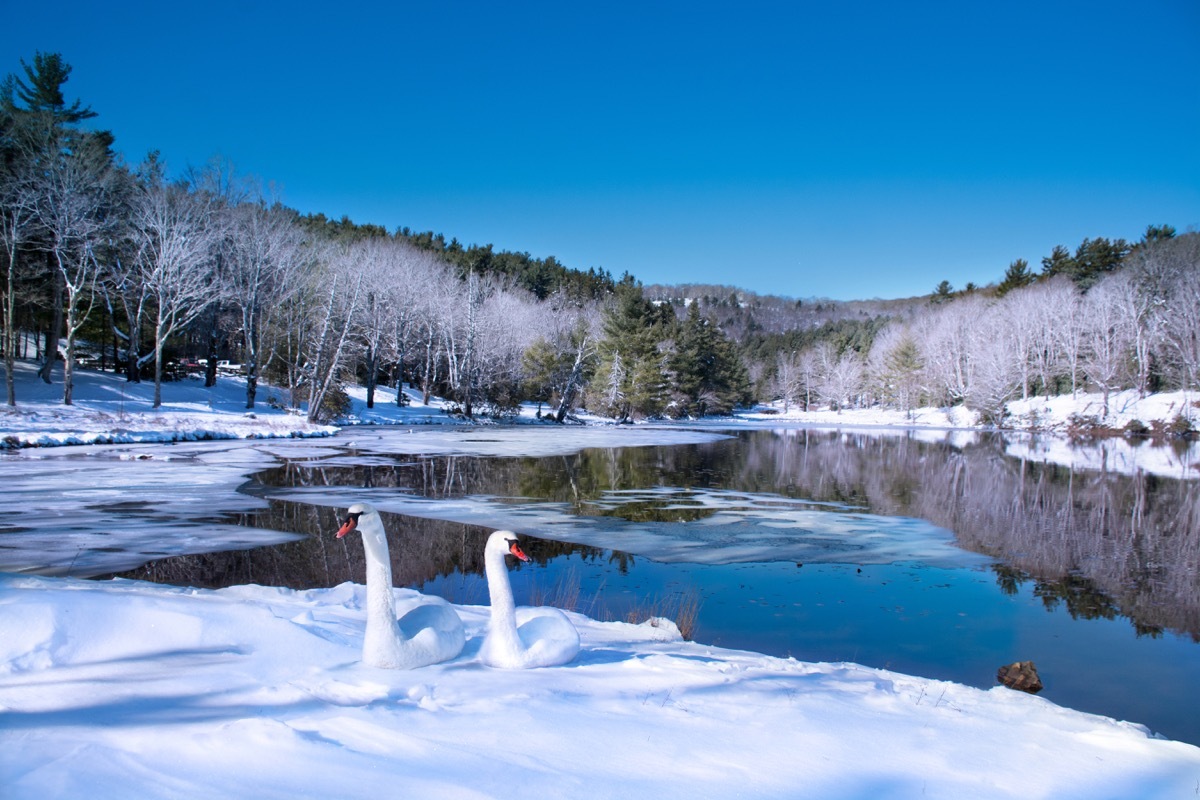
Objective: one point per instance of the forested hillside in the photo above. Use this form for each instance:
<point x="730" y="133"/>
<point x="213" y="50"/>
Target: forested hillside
<point x="126" y="267"/>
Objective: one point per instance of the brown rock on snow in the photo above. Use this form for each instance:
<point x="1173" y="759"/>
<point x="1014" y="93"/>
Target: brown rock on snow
<point x="1020" y="675"/>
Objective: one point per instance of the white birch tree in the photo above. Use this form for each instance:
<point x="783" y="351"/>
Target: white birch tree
<point x="894" y="367"/>
<point x="259" y="277"/>
<point x="1167" y="273"/>
<point x="328" y="350"/>
<point x="1107" y="337"/>
<point x="944" y="336"/>
<point x="999" y="361"/>
<point x="18" y="210"/>
<point x="75" y="212"/>
<point x="786" y="385"/>
<point x="175" y="235"/>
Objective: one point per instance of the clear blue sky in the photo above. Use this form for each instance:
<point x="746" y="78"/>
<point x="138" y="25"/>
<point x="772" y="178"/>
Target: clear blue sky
<point x="844" y="150"/>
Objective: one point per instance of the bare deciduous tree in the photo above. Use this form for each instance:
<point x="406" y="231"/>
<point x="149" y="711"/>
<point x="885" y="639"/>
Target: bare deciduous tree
<point x="75" y="212"/>
<point x="267" y="248"/>
<point x="944" y="336"/>
<point x="1107" y="337"/>
<point x="328" y="351"/>
<point x="175" y="234"/>
<point x="18" y="208"/>
<point x="997" y="361"/>
<point x="1168" y="274"/>
<point x="894" y="366"/>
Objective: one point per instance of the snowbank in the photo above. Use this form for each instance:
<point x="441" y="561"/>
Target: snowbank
<point x="114" y="688"/>
<point x="1037" y="414"/>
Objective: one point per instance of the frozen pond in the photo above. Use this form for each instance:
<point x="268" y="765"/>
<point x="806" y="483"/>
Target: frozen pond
<point x="943" y="556"/>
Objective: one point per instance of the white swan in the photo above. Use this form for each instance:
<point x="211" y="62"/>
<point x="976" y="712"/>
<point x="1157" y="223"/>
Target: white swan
<point x="545" y="638"/>
<point x="428" y="634"/>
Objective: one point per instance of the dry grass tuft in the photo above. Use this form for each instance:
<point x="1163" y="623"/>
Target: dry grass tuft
<point x="682" y="607"/>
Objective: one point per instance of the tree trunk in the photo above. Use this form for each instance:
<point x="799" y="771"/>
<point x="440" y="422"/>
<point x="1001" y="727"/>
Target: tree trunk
<point x="372" y="365"/>
<point x="570" y="388"/>
<point x="250" y="325"/>
<point x="427" y="377"/>
<point x="158" y="350"/>
<point x="214" y="341"/>
<point x="69" y="361"/>
<point x="400" y="371"/>
<point x="10" y="333"/>
<point x="55" y="332"/>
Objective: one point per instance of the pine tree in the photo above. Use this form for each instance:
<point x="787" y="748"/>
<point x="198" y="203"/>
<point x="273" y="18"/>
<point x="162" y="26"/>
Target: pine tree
<point x="74" y="175"/>
<point x="1015" y="277"/>
<point x="1059" y="262"/>
<point x="541" y="364"/>
<point x="1157" y="233"/>
<point x="632" y="331"/>
<point x="43" y="94"/>
<point x="1094" y="258"/>
<point x="709" y="377"/>
<point x="902" y="374"/>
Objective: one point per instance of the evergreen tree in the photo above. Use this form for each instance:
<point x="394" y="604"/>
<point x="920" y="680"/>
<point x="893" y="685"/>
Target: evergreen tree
<point x="1015" y="277"/>
<point x="43" y="94"/>
<point x="709" y="377"/>
<point x="77" y="187"/>
<point x="1157" y="233"/>
<point x="630" y="379"/>
<point x="72" y="179"/>
<point x="1059" y="262"/>
<point x="1094" y="258"/>
<point x="541" y="365"/>
<point x="903" y="367"/>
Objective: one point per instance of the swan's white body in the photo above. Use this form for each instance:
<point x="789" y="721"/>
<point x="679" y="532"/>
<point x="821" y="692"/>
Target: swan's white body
<point x="545" y="637"/>
<point x="428" y="634"/>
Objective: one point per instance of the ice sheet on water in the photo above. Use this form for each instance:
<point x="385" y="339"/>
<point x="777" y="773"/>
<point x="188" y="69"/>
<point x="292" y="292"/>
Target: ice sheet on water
<point x="676" y="525"/>
<point x="532" y="441"/>
<point x="95" y="510"/>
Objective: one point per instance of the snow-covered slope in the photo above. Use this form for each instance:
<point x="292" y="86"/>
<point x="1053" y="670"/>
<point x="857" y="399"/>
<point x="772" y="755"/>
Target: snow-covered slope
<point x="120" y="688"/>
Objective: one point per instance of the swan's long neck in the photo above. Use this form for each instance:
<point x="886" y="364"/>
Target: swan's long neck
<point x="504" y="610"/>
<point x="381" y="603"/>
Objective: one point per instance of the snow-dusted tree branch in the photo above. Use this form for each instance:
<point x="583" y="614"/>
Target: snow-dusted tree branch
<point x="75" y="212"/>
<point x="175" y="234"/>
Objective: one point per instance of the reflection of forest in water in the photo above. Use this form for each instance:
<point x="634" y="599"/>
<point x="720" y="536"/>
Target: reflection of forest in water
<point x="1100" y="544"/>
<point x="420" y="549"/>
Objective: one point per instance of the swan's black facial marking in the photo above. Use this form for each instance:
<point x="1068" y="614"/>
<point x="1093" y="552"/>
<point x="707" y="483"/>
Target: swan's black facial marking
<point x="350" y="523"/>
<point x="514" y="547"/>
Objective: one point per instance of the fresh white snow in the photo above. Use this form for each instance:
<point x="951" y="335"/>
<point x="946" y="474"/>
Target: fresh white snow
<point x="121" y="688"/>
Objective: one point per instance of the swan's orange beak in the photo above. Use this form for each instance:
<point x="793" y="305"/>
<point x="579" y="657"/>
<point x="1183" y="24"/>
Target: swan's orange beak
<point x="515" y="548"/>
<point x="350" y="524"/>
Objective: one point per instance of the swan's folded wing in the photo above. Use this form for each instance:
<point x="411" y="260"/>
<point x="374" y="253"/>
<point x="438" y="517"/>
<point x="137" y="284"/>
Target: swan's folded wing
<point x="549" y="636"/>
<point x="435" y="627"/>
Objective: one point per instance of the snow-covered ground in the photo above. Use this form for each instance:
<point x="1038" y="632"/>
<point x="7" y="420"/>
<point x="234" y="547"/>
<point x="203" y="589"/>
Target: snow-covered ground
<point x="119" y="688"/>
<point x="1052" y="414"/>
<point x="108" y="410"/>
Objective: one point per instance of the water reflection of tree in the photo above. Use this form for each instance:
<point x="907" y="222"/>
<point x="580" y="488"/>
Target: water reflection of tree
<point x="421" y="550"/>
<point x="1096" y="542"/>
<point x="1100" y="544"/>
